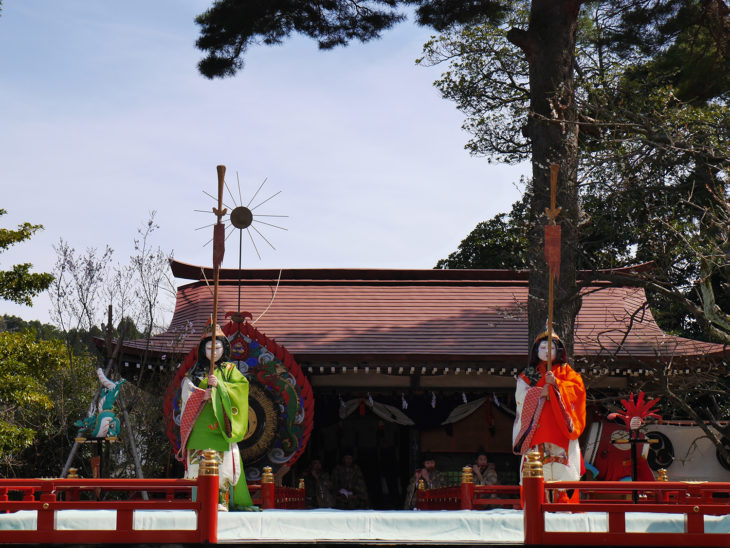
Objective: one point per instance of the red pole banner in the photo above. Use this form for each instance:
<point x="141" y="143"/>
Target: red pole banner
<point x="552" y="249"/>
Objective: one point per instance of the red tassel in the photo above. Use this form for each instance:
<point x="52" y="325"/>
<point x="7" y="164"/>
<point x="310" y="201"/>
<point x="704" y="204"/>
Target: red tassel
<point x="219" y="244"/>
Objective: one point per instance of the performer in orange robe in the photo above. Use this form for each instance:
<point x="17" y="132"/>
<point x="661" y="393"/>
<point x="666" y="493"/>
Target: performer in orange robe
<point x="551" y="412"/>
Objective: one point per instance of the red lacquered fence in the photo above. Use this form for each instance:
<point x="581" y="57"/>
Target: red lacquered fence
<point x="47" y="496"/>
<point x="468" y="496"/>
<point x="693" y="501"/>
<point x="266" y="495"/>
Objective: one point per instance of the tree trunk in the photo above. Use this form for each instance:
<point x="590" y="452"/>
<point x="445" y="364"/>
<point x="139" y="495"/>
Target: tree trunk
<point x="549" y="45"/>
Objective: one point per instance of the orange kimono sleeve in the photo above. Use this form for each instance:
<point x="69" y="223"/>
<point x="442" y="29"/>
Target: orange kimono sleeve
<point x="573" y="395"/>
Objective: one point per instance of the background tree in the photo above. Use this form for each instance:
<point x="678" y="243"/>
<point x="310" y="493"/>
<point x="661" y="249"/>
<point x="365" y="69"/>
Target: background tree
<point x="653" y="142"/>
<point x="14" y="324"/>
<point x="36" y="403"/>
<point x="28" y="418"/>
<point x="500" y="242"/>
<point x="19" y="284"/>
<point x="106" y="304"/>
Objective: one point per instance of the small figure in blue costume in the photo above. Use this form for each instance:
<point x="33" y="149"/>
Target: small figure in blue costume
<point x="104" y="423"/>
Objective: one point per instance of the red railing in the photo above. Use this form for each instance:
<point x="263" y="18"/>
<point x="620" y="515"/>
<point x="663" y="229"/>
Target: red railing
<point x="267" y="496"/>
<point x="289" y="498"/>
<point x="692" y="500"/>
<point x="47" y="496"/>
<point x="469" y="497"/>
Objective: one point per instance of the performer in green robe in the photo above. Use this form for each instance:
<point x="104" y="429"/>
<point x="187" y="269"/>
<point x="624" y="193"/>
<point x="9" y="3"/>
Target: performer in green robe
<point x="215" y="416"/>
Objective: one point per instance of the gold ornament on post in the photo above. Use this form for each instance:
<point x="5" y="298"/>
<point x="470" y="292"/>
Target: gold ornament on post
<point x="467" y="475"/>
<point x="533" y="465"/>
<point x="209" y="463"/>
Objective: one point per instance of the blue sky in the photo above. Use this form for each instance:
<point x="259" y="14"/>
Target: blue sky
<point x="103" y="118"/>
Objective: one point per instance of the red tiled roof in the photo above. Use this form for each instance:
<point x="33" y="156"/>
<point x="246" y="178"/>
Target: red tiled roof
<point x="439" y="314"/>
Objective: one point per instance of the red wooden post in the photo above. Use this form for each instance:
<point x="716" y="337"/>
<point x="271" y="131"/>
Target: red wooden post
<point x="125" y="520"/>
<point x="617" y="522"/>
<point x="268" y="499"/>
<point x="662" y="496"/>
<point x="467" y="488"/>
<point x="695" y="521"/>
<point x="533" y="489"/>
<point x="74" y="493"/>
<point x="46" y="520"/>
<point x="302" y="495"/>
<point x="208" y="497"/>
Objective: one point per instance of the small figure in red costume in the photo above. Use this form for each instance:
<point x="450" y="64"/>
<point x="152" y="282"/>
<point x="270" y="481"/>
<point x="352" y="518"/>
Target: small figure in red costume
<point x="551" y="412"/>
<point x="627" y="461"/>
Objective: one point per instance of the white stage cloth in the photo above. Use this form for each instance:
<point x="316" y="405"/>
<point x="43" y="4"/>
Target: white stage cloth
<point x="499" y="526"/>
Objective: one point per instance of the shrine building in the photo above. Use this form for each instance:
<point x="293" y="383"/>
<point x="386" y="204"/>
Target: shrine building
<point x="401" y="362"/>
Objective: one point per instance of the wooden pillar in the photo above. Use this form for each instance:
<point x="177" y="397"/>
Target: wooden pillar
<point x="467" y="488"/>
<point x="533" y="490"/>
<point x="208" y="497"/>
<point x="268" y="498"/>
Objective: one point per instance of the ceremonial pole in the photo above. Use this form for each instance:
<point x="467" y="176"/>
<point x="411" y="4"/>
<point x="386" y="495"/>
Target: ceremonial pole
<point x="219" y="239"/>
<point x="552" y="255"/>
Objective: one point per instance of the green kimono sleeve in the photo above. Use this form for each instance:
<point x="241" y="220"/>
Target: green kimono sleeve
<point x="230" y="402"/>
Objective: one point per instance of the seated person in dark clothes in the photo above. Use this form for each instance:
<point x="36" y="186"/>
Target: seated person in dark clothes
<point x="484" y="471"/>
<point x="318" y="486"/>
<point x="348" y="484"/>
<point x="432" y="479"/>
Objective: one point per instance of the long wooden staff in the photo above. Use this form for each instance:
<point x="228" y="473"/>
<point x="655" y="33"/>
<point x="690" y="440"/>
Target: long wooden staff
<point x="552" y="254"/>
<point x="219" y="239"/>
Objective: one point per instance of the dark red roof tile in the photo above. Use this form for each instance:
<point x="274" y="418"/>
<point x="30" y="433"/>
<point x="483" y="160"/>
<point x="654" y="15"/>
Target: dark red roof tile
<point x="434" y="314"/>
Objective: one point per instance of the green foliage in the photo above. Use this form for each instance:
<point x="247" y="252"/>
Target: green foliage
<point x="230" y="26"/>
<point x="19" y="284"/>
<point x="14" y="324"/>
<point x="27" y="365"/>
<point x="37" y="404"/>
<point x="500" y="242"/>
<point x="487" y="78"/>
<point x="685" y="43"/>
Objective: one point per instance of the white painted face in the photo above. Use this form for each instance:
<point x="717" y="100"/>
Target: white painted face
<point x="218" y="350"/>
<point x="542" y="351"/>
